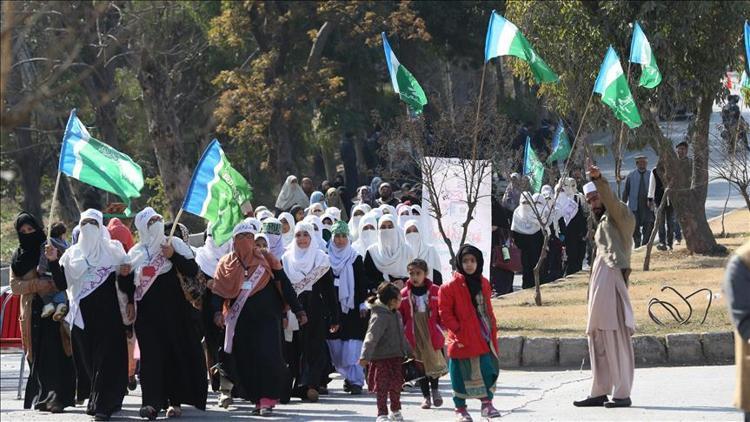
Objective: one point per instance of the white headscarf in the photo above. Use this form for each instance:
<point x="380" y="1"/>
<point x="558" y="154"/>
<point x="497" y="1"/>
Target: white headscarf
<point x="342" y="265"/>
<point x="207" y="256"/>
<point x="421" y="248"/>
<point x="366" y="238"/>
<point x="287" y="237"/>
<point x="404" y="214"/>
<point x="151" y="239"/>
<point x="391" y="254"/>
<point x="275" y="243"/>
<point x="94" y="250"/>
<point x="354" y="221"/>
<point x="299" y="262"/>
<point x="291" y="195"/>
<point x="524" y="219"/>
<point x="425" y="223"/>
<point x="569" y="198"/>
<point x="316" y="206"/>
<point x="334" y="213"/>
<point x="263" y="214"/>
<point x="388" y="209"/>
<point x="317" y="233"/>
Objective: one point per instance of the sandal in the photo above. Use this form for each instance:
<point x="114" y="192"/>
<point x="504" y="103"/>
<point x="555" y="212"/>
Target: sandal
<point x="174" y="412"/>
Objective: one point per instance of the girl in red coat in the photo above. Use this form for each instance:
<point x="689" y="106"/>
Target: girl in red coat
<point x="466" y="313"/>
<point x="419" y="311"/>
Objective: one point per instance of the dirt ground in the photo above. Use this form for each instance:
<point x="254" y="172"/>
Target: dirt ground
<point x="563" y="313"/>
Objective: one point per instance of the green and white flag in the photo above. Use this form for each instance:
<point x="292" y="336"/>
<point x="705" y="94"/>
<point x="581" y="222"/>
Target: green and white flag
<point x="560" y="144"/>
<point x="98" y="164"/>
<point x="613" y="87"/>
<point x="404" y="83"/>
<point x="217" y="192"/>
<point x="504" y="39"/>
<point x="640" y="52"/>
<point x="532" y="166"/>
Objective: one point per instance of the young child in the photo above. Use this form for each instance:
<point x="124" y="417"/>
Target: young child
<point x="466" y="313"/>
<point x="55" y="304"/>
<point x="384" y="349"/>
<point x="419" y="310"/>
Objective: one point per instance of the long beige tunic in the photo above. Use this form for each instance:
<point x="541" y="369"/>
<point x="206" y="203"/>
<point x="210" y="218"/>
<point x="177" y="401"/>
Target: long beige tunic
<point x="611" y="323"/>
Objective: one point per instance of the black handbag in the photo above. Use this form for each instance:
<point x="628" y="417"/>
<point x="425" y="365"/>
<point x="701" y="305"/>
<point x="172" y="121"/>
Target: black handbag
<point x="413" y="370"/>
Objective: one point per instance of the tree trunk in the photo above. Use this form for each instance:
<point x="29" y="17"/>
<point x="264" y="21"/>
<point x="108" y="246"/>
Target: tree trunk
<point x="30" y="169"/>
<point x="689" y="197"/>
<point x="164" y="130"/>
<point x="655" y="230"/>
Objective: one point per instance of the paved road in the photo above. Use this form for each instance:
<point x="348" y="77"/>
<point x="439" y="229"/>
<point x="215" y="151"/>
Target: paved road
<point x="664" y="394"/>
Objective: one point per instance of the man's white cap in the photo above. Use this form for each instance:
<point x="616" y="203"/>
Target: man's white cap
<point x="588" y="188"/>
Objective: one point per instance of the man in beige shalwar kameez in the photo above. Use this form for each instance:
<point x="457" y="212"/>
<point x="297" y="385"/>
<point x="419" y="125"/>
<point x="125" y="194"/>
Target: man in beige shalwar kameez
<point x="610" y="323"/>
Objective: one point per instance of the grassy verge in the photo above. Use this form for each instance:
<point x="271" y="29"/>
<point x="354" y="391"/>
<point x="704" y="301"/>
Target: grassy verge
<point x="564" y="311"/>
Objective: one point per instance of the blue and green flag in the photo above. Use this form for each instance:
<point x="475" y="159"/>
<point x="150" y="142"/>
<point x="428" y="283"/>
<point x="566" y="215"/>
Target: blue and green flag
<point x="560" y="144"/>
<point x="216" y="193"/>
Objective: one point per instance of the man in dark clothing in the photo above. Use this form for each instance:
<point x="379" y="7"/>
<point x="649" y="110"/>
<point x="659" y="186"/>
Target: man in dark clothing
<point x="386" y="195"/>
<point x="655" y="197"/>
<point x="636" y="196"/>
<point x="307" y="186"/>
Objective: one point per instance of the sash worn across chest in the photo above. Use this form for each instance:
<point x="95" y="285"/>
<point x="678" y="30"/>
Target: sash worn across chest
<point x="310" y="279"/>
<point x="230" y="319"/>
<point x="148" y="274"/>
<point x="92" y="279"/>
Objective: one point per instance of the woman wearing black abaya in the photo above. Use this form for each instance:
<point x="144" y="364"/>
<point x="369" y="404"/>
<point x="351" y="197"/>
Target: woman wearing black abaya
<point x="51" y="383"/>
<point x="246" y="278"/>
<point x="88" y="271"/>
<point x="309" y="271"/>
<point x="173" y="368"/>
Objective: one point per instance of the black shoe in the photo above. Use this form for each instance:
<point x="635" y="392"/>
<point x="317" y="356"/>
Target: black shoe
<point x="101" y="417"/>
<point x="132" y="383"/>
<point x="626" y="402"/>
<point x="661" y="247"/>
<point x="347" y="386"/>
<point x="323" y="390"/>
<point x="355" y="390"/>
<point x="591" y="402"/>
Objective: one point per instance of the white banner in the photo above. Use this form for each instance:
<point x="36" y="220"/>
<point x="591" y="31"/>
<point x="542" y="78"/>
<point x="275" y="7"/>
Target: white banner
<point x="450" y="182"/>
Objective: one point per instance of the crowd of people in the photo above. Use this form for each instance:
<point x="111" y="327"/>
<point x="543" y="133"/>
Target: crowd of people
<point x="319" y="283"/>
<point x="297" y="294"/>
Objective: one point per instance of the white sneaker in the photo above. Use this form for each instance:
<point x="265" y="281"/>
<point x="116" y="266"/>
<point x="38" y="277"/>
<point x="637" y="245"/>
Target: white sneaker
<point x="396" y="417"/>
<point x="382" y="418"/>
<point x="48" y="310"/>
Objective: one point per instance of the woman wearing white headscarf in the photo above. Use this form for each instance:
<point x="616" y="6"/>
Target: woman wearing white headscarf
<point x="387" y="259"/>
<point x="271" y="227"/>
<point x="404" y="214"/>
<point x="527" y="234"/>
<point x="423" y="250"/>
<point x="287" y="228"/>
<point x="309" y="270"/>
<point x="291" y="194"/>
<point x="575" y="224"/>
<point x="173" y="367"/>
<point x="358" y="212"/>
<point x="345" y="345"/>
<point x="368" y="234"/>
<point x="317" y="234"/>
<point x="317" y="209"/>
<point x="88" y="271"/>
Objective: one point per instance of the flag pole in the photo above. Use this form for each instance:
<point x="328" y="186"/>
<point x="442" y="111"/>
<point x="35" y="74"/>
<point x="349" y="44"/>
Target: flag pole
<point x="174" y="226"/>
<point x="476" y="121"/>
<point x="578" y="132"/>
<point x="52" y="208"/>
<point x="618" y="159"/>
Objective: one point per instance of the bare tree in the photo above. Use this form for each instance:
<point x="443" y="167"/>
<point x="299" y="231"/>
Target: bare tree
<point x="411" y="146"/>
<point x="732" y="164"/>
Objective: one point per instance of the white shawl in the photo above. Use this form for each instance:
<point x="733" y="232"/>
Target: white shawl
<point x="391" y="254"/>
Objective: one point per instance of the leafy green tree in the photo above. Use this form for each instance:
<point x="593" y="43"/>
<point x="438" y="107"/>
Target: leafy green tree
<point x="694" y="42"/>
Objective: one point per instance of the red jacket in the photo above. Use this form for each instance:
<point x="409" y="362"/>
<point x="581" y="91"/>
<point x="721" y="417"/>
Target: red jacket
<point x="407" y="314"/>
<point x="458" y="316"/>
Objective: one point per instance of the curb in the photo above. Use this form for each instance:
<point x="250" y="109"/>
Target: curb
<point x="573" y="352"/>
